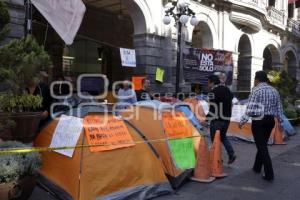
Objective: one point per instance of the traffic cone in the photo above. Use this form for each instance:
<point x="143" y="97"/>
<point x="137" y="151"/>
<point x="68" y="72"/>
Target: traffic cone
<point x="277" y="134"/>
<point x="202" y="171"/>
<point x="215" y="157"/>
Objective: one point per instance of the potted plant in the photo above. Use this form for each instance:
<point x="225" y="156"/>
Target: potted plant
<point x="20" y="63"/>
<point x="17" y="172"/>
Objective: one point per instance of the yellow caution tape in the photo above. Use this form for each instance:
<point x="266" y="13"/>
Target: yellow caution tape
<point x="50" y="149"/>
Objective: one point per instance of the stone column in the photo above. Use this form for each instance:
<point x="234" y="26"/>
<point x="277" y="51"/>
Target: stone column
<point x="154" y="51"/>
<point x="17" y="19"/>
<point x="257" y="65"/>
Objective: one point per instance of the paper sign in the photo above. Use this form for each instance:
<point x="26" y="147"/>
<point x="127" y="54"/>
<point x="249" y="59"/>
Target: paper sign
<point x="176" y="125"/>
<point x="159" y="74"/>
<point x="137" y="82"/>
<point x="108" y="132"/>
<point x="183" y="153"/>
<point x="128" y="57"/>
<point x="66" y="134"/>
<point x="237" y="112"/>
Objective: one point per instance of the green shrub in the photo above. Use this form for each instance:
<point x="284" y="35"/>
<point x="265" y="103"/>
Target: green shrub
<point x="16" y="166"/>
<point x="290" y="113"/>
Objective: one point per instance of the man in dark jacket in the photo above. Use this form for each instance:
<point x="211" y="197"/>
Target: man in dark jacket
<point x="220" y="100"/>
<point x="144" y="94"/>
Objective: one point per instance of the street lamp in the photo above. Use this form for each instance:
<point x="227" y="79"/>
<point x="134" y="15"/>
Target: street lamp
<point x="181" y="13"/>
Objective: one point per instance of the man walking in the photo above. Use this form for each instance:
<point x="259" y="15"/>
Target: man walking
<point x="264" y="104"/>
<point x="220" y="100"/>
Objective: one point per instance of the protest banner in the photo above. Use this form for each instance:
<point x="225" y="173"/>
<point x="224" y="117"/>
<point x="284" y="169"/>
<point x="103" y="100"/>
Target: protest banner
<point x="198" y="64"/>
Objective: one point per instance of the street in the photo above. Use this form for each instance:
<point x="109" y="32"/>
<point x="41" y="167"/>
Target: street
<point x="241" y="182"/>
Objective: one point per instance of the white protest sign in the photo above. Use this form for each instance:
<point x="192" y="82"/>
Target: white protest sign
<point x="237" y="112"/>
<point x="128" y="57"/>
<point x="67" y="134"/>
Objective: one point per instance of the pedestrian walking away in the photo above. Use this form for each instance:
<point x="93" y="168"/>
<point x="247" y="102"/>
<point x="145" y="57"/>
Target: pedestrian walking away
<point x="264" y="104"/>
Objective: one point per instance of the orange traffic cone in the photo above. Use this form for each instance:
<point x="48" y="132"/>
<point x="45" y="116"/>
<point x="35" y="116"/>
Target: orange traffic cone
<point x="215" y="157"/>
<point x="202" y="172"/>
<point x="277" y="134"/>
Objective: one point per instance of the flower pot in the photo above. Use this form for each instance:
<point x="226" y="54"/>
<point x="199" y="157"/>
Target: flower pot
<point x="26" y="126"/>
<point x="17" y="190"/>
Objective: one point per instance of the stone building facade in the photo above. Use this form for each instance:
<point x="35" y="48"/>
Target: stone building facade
<point x="262" y="34"/>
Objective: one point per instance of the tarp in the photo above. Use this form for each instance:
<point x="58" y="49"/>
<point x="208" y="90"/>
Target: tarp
<point x="126" y="173"/>
<point x="64" y="16"/>
<point x="146" y="117"/>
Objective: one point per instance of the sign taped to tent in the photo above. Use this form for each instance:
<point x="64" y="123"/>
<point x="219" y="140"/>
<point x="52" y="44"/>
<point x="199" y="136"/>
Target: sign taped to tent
<point x="108" y="131"/>
<point x="176" y="125"/>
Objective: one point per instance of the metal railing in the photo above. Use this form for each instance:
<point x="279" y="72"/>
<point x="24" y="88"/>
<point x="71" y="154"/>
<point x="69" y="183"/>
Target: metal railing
<point x="294" y="26"/>
<point x="276" y="16"/>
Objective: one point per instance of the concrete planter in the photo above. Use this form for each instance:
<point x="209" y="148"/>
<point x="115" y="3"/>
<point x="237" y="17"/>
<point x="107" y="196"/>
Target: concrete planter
<point x="17" y="190"/>
<point x="26" y="126"/>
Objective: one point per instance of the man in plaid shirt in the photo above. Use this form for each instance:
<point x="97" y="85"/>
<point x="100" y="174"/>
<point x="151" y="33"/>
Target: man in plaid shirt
<point x="264" y="104"/>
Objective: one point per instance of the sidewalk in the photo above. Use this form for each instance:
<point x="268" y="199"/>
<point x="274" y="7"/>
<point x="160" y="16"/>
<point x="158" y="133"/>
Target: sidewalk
<point x="242" y="183"/>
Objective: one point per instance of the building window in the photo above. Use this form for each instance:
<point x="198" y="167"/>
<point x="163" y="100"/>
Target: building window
<point x="291" y="9"/>
<point x="272" y="3"/>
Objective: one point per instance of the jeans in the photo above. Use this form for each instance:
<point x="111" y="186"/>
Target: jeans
<point x="261" y="130"/>
<point x="222" y="126"/>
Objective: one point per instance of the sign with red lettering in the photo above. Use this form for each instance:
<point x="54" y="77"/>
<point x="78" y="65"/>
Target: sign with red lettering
<point x="176" y="125"/>
<point x="108" y="132"/>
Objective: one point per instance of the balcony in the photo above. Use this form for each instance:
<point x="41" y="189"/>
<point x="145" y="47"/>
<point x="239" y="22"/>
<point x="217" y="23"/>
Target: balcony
<point x="294" y="27"/>
<point x="276" y="17"/>
<point x="257" y="5"/>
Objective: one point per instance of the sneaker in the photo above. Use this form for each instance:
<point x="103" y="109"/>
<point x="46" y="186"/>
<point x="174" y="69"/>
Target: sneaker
<point x="231" y="159"/>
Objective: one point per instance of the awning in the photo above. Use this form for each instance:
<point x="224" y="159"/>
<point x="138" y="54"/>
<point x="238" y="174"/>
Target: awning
<point x="64" y="16"/>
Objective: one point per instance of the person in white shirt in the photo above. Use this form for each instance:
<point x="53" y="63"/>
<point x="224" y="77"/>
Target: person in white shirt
<point x="126" y="95"/>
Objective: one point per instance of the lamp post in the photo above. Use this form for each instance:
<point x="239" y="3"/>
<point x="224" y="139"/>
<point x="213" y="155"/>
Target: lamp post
<point x="28" y="17"/>
<point x="181" y="13"/>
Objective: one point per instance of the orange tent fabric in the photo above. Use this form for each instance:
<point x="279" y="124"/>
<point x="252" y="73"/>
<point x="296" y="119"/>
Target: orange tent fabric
<point x="148" y="121"/>
<point x="106" y="175"/>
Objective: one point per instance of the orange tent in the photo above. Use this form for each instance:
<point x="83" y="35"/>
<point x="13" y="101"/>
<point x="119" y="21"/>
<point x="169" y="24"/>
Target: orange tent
<point x="133" y="172"/>
<point x="146" y="118"/>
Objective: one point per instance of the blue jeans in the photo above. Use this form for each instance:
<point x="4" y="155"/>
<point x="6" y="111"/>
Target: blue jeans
<point x="222" y="126"/>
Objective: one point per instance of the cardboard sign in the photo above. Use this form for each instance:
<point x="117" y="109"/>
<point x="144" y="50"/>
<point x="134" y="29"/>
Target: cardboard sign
<point x="183" y="153"/>
<point x="108" y="132"/>
<point x="66" y="134"/>
<point x="176" y="125"/>
<point x="137" y="82"/>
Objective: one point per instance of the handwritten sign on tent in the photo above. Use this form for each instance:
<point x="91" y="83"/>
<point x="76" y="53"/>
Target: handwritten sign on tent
<point x="176" y="125"/>
<point x="183" y="153"/>
<point x="66" y="134"/>
<point x="108" y="132"/>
